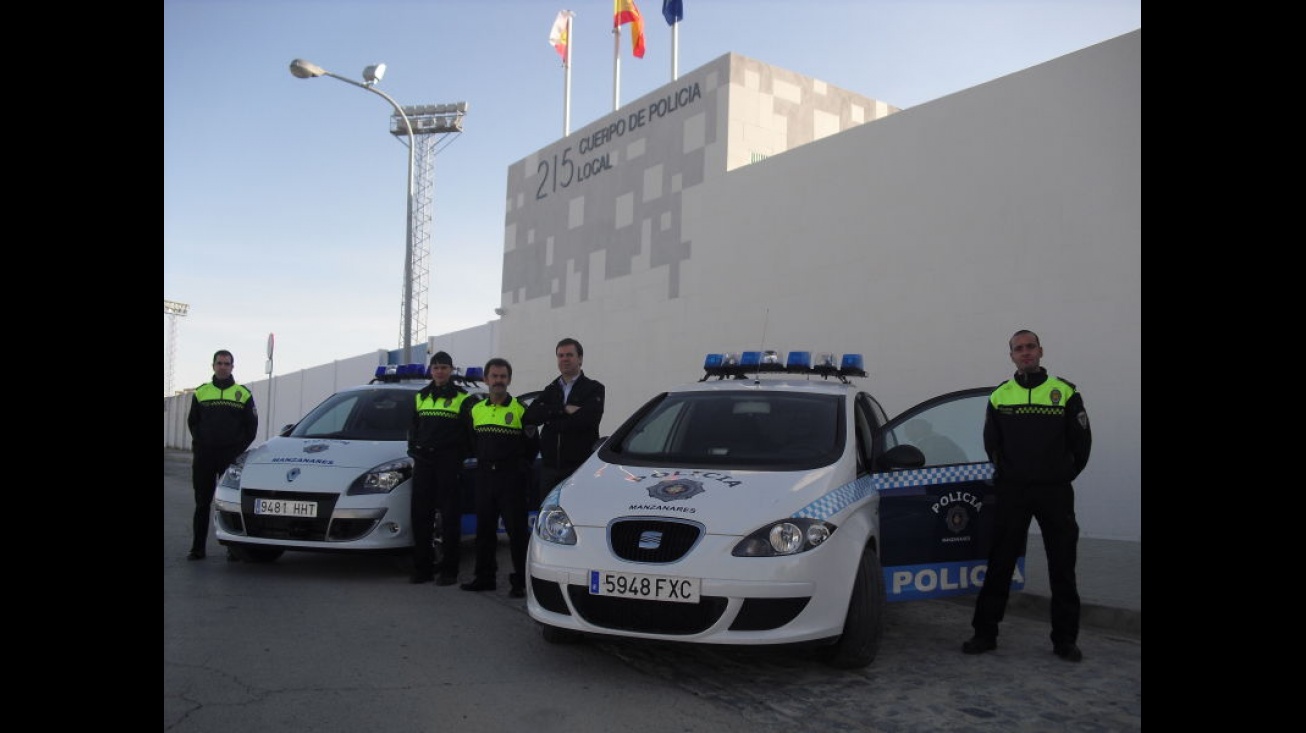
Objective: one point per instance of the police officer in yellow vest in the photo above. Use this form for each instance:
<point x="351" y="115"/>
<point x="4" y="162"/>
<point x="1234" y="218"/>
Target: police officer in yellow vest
<point x="223" y="423"/>
<point x="439" y="440"/>
<point x="1037" y="436"/>
<point x="504" y="453"/>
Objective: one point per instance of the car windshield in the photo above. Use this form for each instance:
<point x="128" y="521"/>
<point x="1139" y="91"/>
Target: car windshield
<point x="371" y="414"/>
<point x="739" y="430"/>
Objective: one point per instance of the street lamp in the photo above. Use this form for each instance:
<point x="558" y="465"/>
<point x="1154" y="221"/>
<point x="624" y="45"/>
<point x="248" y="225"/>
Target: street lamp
<point x="304" y="70"/>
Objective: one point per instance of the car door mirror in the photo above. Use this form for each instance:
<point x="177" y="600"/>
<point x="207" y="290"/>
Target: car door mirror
<point x="902" y="456"/>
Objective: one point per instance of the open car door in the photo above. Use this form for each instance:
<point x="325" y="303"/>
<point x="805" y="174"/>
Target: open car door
<point x="937" y="499"/>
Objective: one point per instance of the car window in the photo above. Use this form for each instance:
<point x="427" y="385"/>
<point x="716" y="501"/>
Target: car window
<point x="374" y="414"/>
<point x="773" y="431"/>
<point x="947" y="430"/>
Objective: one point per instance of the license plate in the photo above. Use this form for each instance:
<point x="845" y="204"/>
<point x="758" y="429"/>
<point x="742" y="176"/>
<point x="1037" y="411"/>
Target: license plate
<point x="282" y="508"/>
<point x="644" y="587"/>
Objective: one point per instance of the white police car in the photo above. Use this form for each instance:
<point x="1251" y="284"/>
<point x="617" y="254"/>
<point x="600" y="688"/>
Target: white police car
<point x="767" y="503"/>
<point x="339" y="479"/>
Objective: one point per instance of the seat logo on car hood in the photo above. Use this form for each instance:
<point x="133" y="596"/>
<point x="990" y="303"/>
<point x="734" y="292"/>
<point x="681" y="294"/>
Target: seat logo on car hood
<point x="292" y="474"/>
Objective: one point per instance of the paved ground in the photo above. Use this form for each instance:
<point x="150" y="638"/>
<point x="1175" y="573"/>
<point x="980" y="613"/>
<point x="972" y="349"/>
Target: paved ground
<point x="332" y="644"/>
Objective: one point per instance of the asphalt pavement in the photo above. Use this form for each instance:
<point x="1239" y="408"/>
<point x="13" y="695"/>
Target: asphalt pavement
<point x="341" y="643"/>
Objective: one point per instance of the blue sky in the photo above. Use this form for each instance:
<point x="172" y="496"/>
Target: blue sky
<point x="284" y="198"/>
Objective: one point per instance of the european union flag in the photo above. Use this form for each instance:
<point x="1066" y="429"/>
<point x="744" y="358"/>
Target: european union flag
<point x="673" y="11"/>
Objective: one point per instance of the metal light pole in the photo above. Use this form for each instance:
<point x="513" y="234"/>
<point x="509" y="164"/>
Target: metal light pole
<point x="304" y="70"/>
<point x="172" y="309"/>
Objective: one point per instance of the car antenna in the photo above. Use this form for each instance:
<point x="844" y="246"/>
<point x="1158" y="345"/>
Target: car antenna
<point x="761" y="347"/>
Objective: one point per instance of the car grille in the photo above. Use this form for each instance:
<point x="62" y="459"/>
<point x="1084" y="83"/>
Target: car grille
<point x="308" y="529"/>
<point x="653" y="540"/>
<point x="651" y="617"/>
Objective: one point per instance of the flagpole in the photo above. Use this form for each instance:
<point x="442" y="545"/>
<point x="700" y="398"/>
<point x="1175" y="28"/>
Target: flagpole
<point x="616" y="66"/>
<point x="675" y="50"/>
<point x="566" y="86"/>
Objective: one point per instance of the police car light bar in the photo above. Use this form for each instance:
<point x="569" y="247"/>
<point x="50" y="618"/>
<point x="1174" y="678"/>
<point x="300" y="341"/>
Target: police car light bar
<point x="407" y="372"/>
<point x="398" y="372"/>
<point x="728" y="364"/>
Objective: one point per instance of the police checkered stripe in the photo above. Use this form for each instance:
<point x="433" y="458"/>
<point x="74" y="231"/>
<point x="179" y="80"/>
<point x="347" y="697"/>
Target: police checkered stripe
<point x="834" y="502"/>
<point x="933" y="476"/>
<point x="1037" y="409"/>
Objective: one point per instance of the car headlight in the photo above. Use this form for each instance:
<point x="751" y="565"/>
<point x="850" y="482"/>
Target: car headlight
<point x="553" y="525"/>
<point x="787" y="537"/>
<point x="383" y="479"/>
<point x="231" y="477"/>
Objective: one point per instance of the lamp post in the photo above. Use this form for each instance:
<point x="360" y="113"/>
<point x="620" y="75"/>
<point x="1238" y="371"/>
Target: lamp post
<point x="371" y="75"/>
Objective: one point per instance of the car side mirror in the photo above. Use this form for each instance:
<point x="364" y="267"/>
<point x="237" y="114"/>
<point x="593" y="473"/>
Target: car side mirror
<point x="285" y="430"/>
<point x="902" y="456"/>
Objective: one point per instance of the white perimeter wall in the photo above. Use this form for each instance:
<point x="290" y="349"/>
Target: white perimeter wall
<point x="923" y="240"/>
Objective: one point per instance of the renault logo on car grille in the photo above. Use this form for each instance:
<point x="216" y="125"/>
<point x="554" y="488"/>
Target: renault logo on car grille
<point x="292" y="474"/>
<point x="650" y="540"/>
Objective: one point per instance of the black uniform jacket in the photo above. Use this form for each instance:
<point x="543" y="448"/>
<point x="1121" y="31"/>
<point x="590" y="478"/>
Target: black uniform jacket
<point x="567" y="440"/>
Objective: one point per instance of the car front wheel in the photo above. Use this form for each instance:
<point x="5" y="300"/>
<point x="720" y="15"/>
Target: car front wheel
<point x="864" y="624"/>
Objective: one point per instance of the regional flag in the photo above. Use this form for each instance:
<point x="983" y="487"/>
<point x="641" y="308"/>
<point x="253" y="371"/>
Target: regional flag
<point x="673" y="11"/>
<point x="625" y="11"/>
<point x="560" y="36"/>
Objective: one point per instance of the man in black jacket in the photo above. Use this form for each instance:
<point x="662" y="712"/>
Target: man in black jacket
<point x="222" y="422"/>
<point x="504" y="452"/>
<point x="439" y="440"/>
<point x="568" y="412"/>
<point x="1036" y="433"/>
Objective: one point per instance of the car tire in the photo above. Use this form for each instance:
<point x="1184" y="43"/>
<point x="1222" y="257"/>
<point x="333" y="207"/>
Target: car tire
<point x="257" y="553"/>
<point x="864" y="624"/>
<point x="555" y="635"/>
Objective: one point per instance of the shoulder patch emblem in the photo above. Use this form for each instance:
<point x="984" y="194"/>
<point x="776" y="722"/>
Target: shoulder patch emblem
<point x="1055" y="396"/>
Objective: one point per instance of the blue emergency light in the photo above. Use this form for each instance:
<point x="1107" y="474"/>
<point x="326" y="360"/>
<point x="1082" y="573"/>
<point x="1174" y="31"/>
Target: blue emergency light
<point x="726" y="364"/>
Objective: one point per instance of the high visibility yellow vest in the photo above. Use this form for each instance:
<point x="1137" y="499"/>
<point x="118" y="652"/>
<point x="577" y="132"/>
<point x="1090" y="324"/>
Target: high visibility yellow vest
<point x="235" y="395"/>
<point x="1049" y="398"/>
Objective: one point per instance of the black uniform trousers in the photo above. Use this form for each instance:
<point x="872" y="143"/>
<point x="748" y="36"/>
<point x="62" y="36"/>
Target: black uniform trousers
<point x="501" y="491"/>
<point x="1053" y="506"/>
<point x="436" y="489"/>
<point x="206" y="467"/>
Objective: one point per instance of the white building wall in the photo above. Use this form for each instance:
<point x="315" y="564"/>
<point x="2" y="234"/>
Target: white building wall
<point x="923" y="240"/>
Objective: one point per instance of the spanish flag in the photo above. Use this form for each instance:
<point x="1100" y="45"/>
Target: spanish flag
<point x="625" y="11"/>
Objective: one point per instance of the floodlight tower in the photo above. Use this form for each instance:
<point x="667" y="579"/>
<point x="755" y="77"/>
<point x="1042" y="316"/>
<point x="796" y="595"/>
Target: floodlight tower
<point x="432" y="125"/>
<point x="407" y="122"/>
<point x="172" y="309"/>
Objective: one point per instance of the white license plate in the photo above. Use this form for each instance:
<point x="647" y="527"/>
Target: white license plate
<point x="282" y="508"/>
<point x="644" y="587"/>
